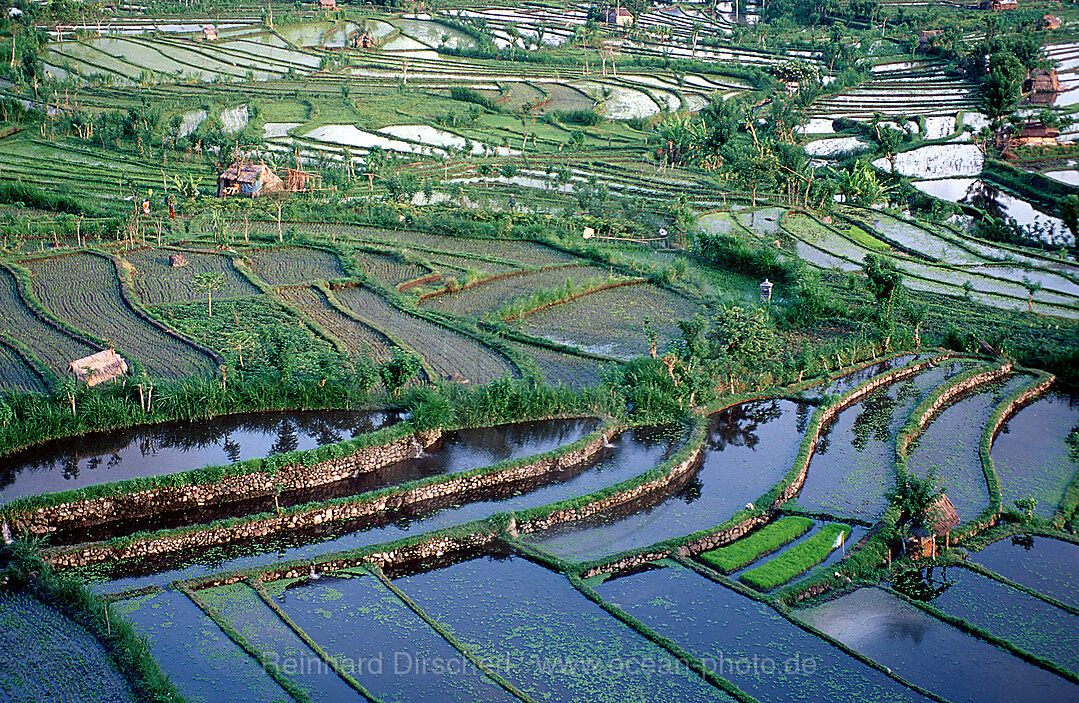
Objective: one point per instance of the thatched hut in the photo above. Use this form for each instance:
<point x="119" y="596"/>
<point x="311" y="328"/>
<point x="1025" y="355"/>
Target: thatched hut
<point x="326" y="4"/>
<point x="1043" y="86"/>
<point x="927" y="37"/>
<point x="940" y="518"/>
<point x="209" y="33"/>
<point x="98" y="368"/>
<point x="177" y="261"/>
<point x="247" y="179"/>
<point x="1050" y="22"/>
<point x="1035" y="134"/>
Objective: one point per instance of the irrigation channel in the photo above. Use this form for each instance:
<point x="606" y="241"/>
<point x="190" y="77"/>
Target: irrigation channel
<point x="463" y="595"/>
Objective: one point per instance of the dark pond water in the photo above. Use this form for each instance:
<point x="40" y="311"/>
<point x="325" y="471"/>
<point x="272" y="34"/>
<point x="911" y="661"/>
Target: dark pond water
<point x="632" y="453"/>
<point x="557" y="645"/>
<point x="191" y="649"/>
<point x="749" y="448"/>
<point x="933" y="654"/>
<point x="731" y="632"/>
<point x="392" y="652"/>
<point x="853" y="464"/>
<point x="166" y="448"/>
<point x="1031" y="453"/>
<point x="245" y="611"/>
<point x="456" y="451"/>
<point x="1010" y="614"/>
<point x="951" y="444"/>
<point x="1048" y="566"/>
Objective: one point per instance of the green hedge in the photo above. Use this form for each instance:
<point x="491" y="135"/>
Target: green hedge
<point x="765" y="540"/>
<point x="798" y="559"/>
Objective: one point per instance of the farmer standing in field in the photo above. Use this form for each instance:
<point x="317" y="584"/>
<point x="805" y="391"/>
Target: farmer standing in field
<point x="513" y="201"/>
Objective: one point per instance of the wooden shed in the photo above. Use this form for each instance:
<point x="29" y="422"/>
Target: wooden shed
<point x="209" y="33"/>
<point x="247" y="179"/>
<point x="1000" y="5"/>
<point x="941" y="518"/>
<point x="326" y="4"/>
<point x="620" y="17"/>
<point x="98" y="368"/>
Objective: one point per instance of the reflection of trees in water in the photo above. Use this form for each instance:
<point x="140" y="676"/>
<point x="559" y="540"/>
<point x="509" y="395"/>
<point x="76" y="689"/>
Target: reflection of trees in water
<point x="985" y="196"/>
<point x="692" y="490"/>
<point x="287" y="438"/>
<point x="738" y="425"/>
<point x="232" y="449"/>
<point x="875" y="420"/>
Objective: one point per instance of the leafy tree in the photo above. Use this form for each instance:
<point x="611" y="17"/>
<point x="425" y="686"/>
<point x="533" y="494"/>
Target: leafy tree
<point x="913" y="495"/>
<point x="209" y="281"/>
<point x="399" y="370"/>
<point x="885" y="283"/>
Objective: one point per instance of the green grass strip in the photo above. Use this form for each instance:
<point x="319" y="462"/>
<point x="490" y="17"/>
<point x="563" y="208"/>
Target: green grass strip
<point x="764" y="541"/>
<point x="444" y="632"/>
<point x="797" y="560"/>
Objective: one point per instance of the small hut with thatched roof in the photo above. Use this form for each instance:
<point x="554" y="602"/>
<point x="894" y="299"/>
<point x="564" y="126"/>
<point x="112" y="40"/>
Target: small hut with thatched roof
<point x="940" y="518"/>
<point x="177" y="261"/>
<point x="98" y="368"/>
<point x="247" y="179"/>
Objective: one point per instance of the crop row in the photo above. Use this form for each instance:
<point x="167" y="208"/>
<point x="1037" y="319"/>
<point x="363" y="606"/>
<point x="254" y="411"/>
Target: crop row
<point x="84" y="291"/>
<point x="448" y="352"/>
<point x="289" y="266"/>
<point x="52" y="346"/>
<point x="159" y="283"/>
<point x="359" y="339"/>
<point x="490" y="296"/>
<point x="612" y="321"/>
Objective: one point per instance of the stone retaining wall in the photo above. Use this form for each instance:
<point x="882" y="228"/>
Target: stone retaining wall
<point x="94" y="511"/>
<point x="460" y="486"/>
<point x="946" y="397"/>
<point x="434" y="549"/>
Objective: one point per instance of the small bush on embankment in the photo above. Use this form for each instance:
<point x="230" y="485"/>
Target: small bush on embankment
<point x="797" y="560"/>
<point x="748" y="549"/>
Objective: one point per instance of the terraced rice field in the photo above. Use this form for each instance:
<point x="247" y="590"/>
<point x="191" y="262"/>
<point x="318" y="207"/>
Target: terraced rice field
<point x="57" y="659"/>
<point x="609" y="322"/>
<point x="53" y="347"/>
<point x="84" y="291"/>
<point x="290" y="266"/>
<point x="557" y="368"/>
<point x="16" y="374"/>
<point x="388" y="270"/>
<point x="360" y="339"/>
<point x="447" y="352"/>
<point x="489" y="296"/>
<point x="159" y="283"/>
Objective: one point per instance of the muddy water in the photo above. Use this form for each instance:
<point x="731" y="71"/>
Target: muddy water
<point x="456" y="451"/>
<point x="1031" y="454"/>
<point x="730" y="632"/>
<point x="630" y="454"/>
<point x="750" y="448"/>
<point x="933" y="654"/>
<point x="166" y="448"/>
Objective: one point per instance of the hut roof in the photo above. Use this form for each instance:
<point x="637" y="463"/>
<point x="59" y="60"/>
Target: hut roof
<point x="177" y="260"/>
<point x="245" y="173"/>
<point x="941" y="516"/>
<point x="1039" y="131"/>
<point x="98" y="368"/>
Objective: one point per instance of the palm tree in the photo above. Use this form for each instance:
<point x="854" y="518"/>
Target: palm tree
<point x="1032" y="288"/>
